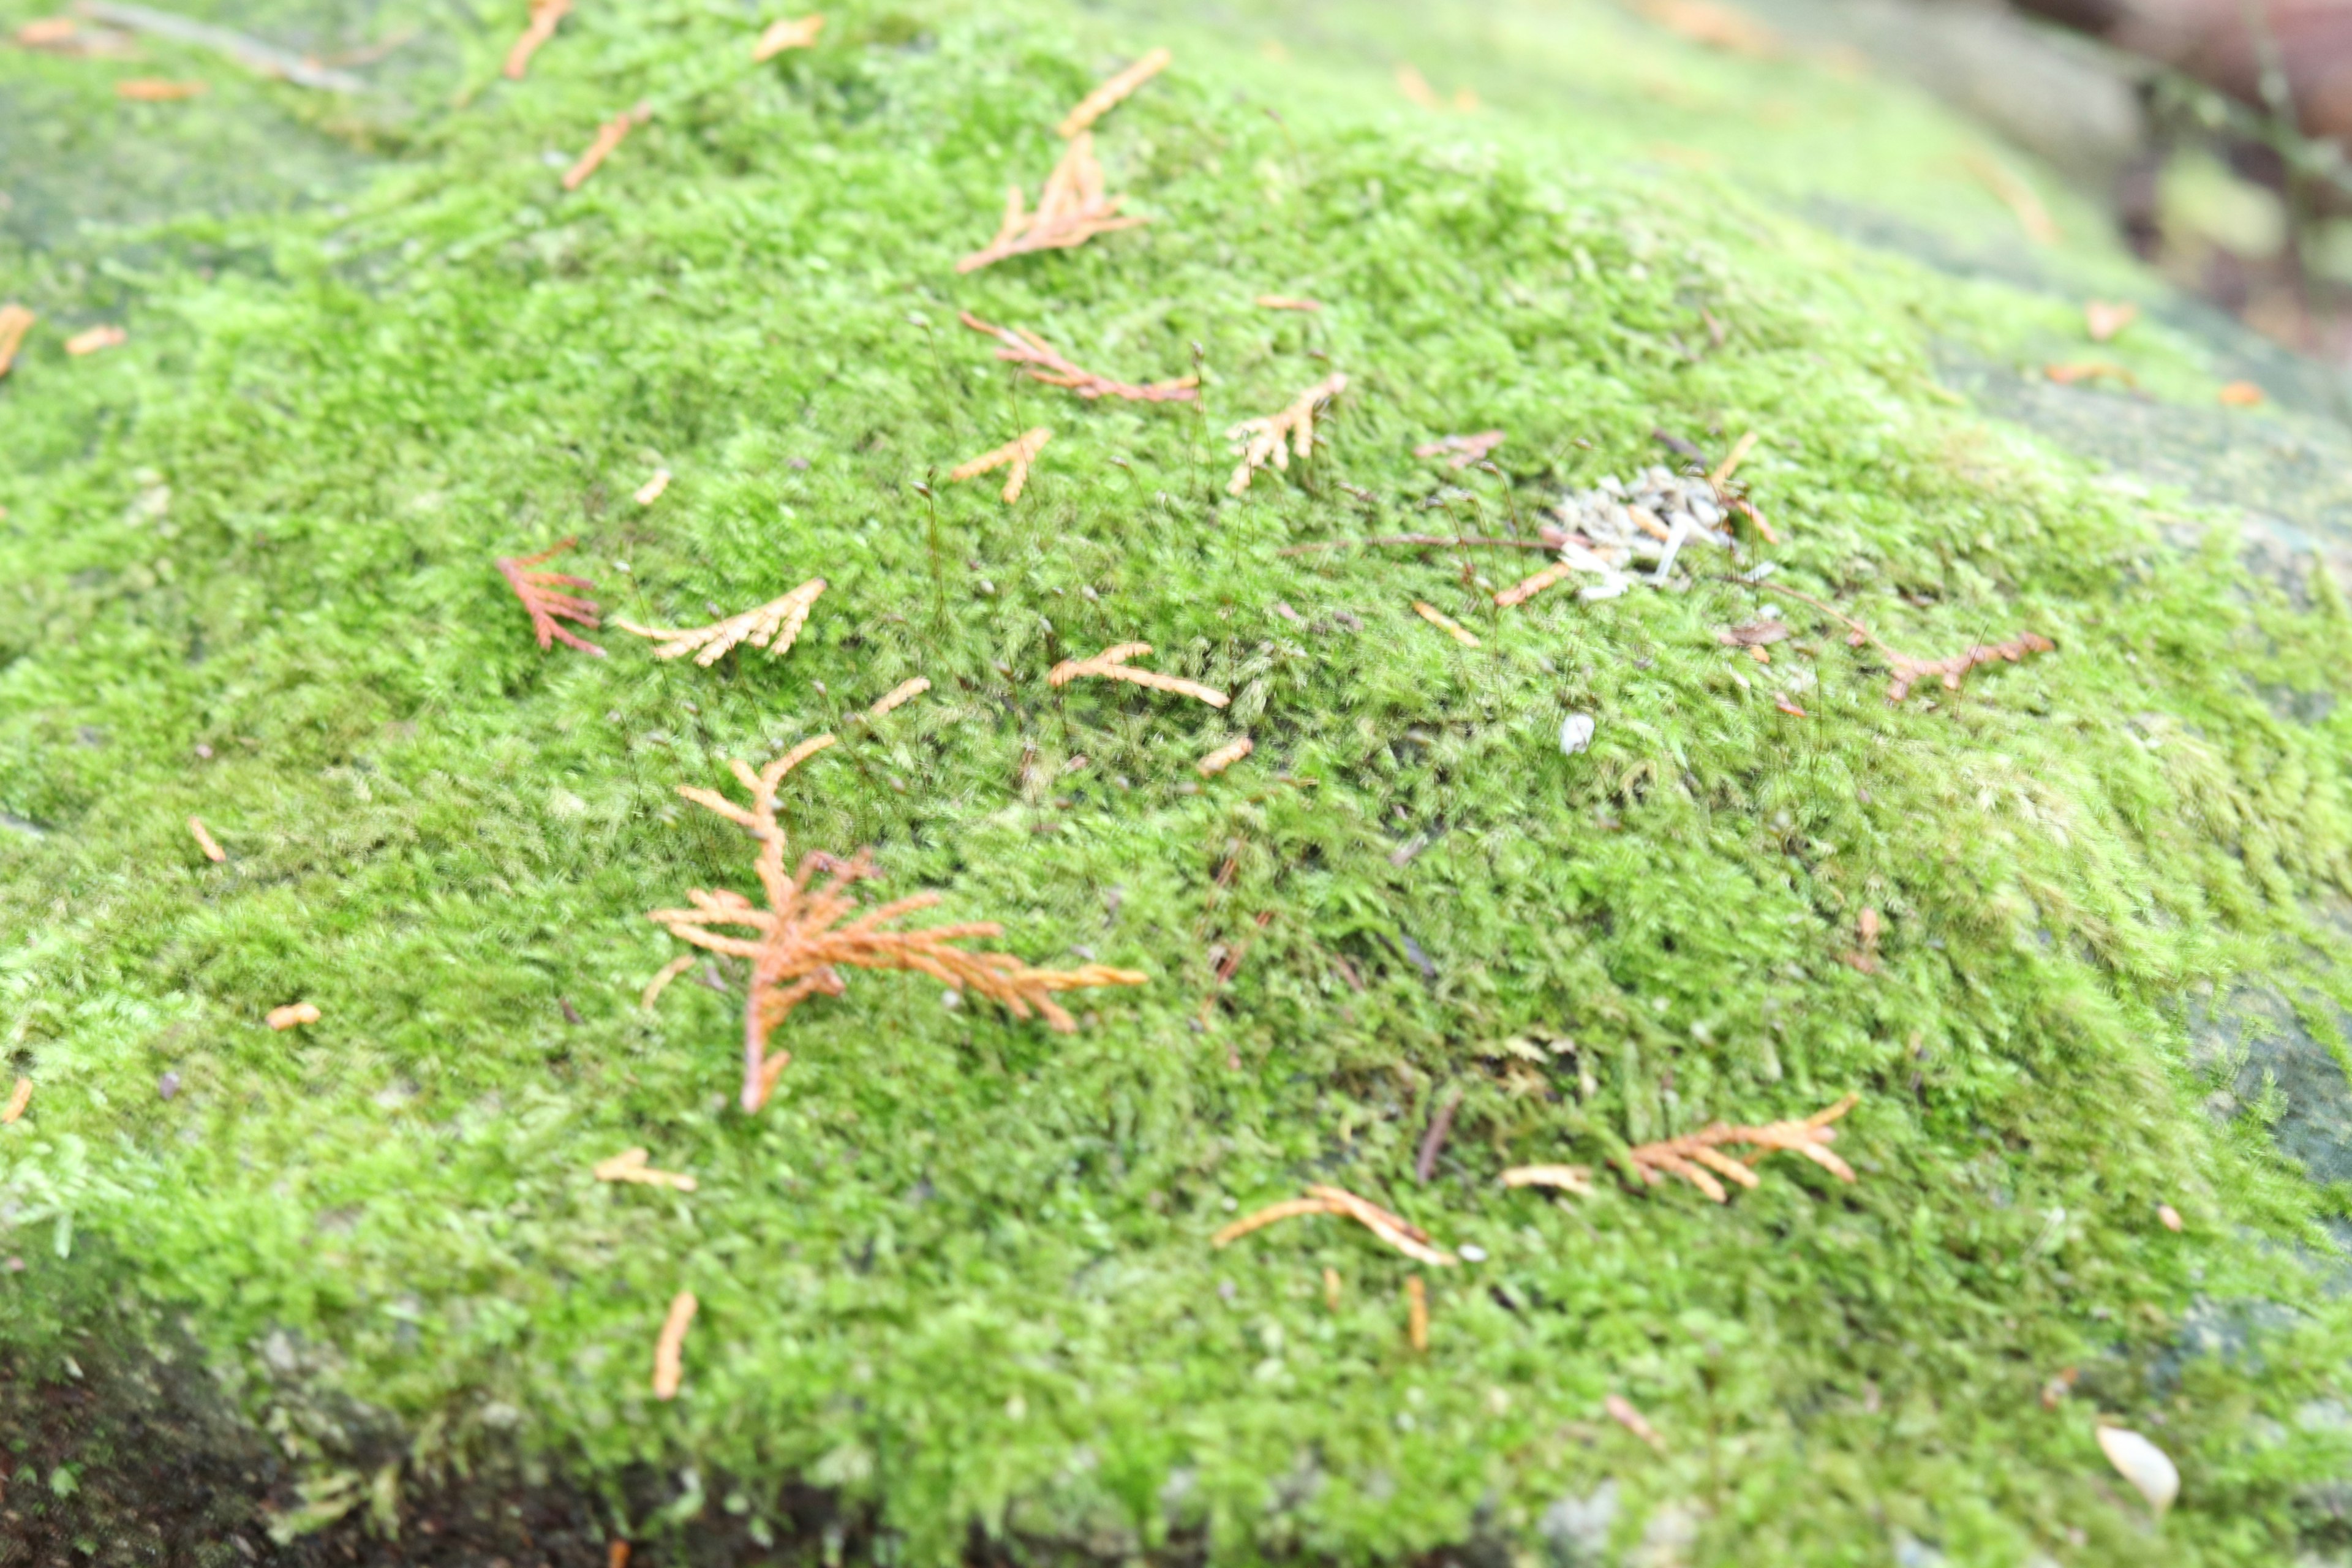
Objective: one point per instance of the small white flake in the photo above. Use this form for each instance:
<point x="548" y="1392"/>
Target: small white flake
<point x="1575" y="733"/>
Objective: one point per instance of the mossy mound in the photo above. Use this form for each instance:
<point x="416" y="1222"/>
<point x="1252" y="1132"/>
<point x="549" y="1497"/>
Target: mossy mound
<point x="958" y="1273"/>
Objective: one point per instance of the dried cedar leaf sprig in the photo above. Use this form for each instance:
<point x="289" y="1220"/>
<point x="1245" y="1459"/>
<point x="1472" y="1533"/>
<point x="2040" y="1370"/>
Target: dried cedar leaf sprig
<point x="811" y="929"/>
<point x="774" y="626"/>
<point x="1028" y="349"/>
<point x="1019" y="453"/>
<point x="1071" y="210"/>
<point x="542" y="594"/>
<point x="1272" y="439"/>
<point x="1111" y="664"/>
<point x="1698" y="1157"/>
<point x="1394" y="1229"/>
<point x="1909" y="672"/>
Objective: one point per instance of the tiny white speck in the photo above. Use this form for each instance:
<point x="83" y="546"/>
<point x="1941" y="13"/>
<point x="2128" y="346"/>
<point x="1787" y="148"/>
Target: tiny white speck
<point x="950" y="999"/>
<point x="1473" y="1253"/>
<point x="1575" y="733"/>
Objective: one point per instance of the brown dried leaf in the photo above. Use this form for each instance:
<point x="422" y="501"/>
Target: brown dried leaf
<point x="1697" y="1157"/>
<point x="545" y="15"/>
<point x="293" y="1013"/>
<point x="1019" y="453"/>
<point x="1754" y="634"/>
<point x="629" y="1165"/>
<point x="609" y="135"/>
<point x="1527" y="588"/>
<point x="774" y="626"/>
<point x="2095" y="370"/>
<point x="1071" y="210"/>
<point x="1287" y="303"/>
<point x="669" y="1349"/>
<point x="651" y="491"/>
<point x="15" y="323"/>
<point x="1045" y="364"/>
<point x="897" y="696"/>
<point x="1621" y="1410"/>
<point x="804" y="937"/>
<point x="538" y="591"/>
<point x="1224" y="756"/>
<point x="17" y="1100"/>
<point x="205" y="842"/>
<point x="2104" y="320"/>
<point x="780" y="35"/>
<point x="1416" y="1314"/>
<point x="2241" y="395"/>
<point x="1111" y="664"/>
<point x="154" y="90"/>
<point x="1909" y="672"/>
<point x="1464" y="449"/>
<point x="1113" y="91"/>
<point x="660" y="983"/>
<point x="95" y="340"/>
<point x="1261" y="441"/>
<point x="1396" y="1232"/>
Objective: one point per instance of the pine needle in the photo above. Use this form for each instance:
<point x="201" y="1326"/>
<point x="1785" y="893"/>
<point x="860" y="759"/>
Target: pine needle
<point x="1273" y="439"/>
<point x="1019" y="453"/>
<point x="609" y="135"/>
<point x="1111" y="664"/>
<point x="1396" y="1231"/>
<point x="1046" y="365"/>
<point x="1697" y="1157"/>
<point x="1112" y="92"/>
<point x="629" y="1165"/>
<point x="905" y="691"/>
<point x="1224" y="756"/>
<point x="774" y="626"/>
<point x="205" y="842"/>
<point x="1444" y="623"/>
<point x="1527" y="588"/>
<point x="15" y="323"/>
<point x="537" y="590"/>
<point x="95" y="340"/>
<point x="670" y="1350"/>
<point x="545" y="15"/>
<point x="660" y="983"/>
<point x="1909" y="672"/>
<point x="18" y="1102"/>
<point x="292" y="1013"/>
<point x="799" y="943"/>
<point x="1071" y="210"/>
<point x="779" y="35"/>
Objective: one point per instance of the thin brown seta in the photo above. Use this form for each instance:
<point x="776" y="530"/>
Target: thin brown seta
<point x="1909" y="672"/>
<point x="1045" y="364"/>
<point x="542" y="594"/>
<point x="609" y="136"/>
<point x="660" y="983"/>
<point x="292" y="1014"/>
<point x="797" y="33"/>
<point x="1071" y="210"/>
<point x="810" y="930"/>
<point x="774" y="626"/>
<point x="1273" y="439"/>
<point x="1111" y="664"/>
<point x="629" y="1165"/>
<point x="669" y="1347"/>
<point x="1112" y="92"/>
<point x="205" y="841"/>
<point x="1394" y="1229"/>
<point x="1444" y="623"/>
<point x="545" y="15"/>
<point x="1621" y="1410"/>
<point x="1018" y="454"/>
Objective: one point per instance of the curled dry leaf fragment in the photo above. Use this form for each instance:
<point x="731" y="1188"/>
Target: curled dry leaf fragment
<point x="629" y="1165"/>
<point x="799" y="33"/>
<point x="545" y="15"/>
<point x="651" y="491"/>
<point x="2146" y="1466"/>
<point x="1287" y="303"/>
<point x="154" y="90"/>
<point x="660" y="983"/>
<point x="1071" y="210"/>
<point x="15" y="323"/>
<point x="538" y="591"/>
<point x="1416" y="1314"/>
<point x="670" y="1350"/>
<point x="1395" y="1230"/>
<point x="1527" y="588"/>
<point x="774" y="626"/>
<point x="205" y="842"/>
<point x="1261" y="441"/>
<point x="1113" y="91"/>
<point x="898" y="696"/>
<point x="1111" y="664"/>
<point x="1790" y="709"/>
<point x="1698" y="1158"/>
<point x="1019" y="454"/>
<point x="293" y="1013"/>
<point x="2103" y="320"/>
<point x="1444" y="623"/>
<point x="2241" y="395"/>
<point x="1045" y="364"/>
<point x="1909" y="672"/>
<point x="1225" y="757"/>
<point x="1461" y="451"/>
<point x="21" y="1097"/>
<point x="609" y="135"/>
<point x="95" y="340"/>
<point x="1621" y="1410"/>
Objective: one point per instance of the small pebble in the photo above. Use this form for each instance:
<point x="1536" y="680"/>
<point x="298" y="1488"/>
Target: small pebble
<point x="950" y="1000"/>
<point x="168" y="1085"/>
<point x="2169" y="1215"/>
<point x="1472" y="1252"/>
<point x="1575" y="733"/>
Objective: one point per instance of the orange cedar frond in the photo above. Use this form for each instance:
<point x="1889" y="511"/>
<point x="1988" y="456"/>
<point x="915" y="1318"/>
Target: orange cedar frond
<point x="1114" y="92"/>
<point x="651" y="491"/>
<point x="1225" y="757"/>
<point x="15" y="323"/>
<point x="1461" y="451"/>
<point x="629" y="1165"/>
<point x="205" y="842"/>
<point x="669" y="1349"/>
<point x="1285" y="302"/>
<point x="1527" y="588"/>
<point x="1397" y="1232"/>
<point x="897" y="696"/>
<point x="1444" y="623"/>
<point x="538" y="592"/>
<point x="1111" y="664"/>
<point x="154" y="90"/>
<point x="545" y="15"/>
<point x="1045" y="365"/>
<point x="660" y="983"/>
<point x="1019" y="453"/>
<point x="293" y="1013"/>
<point x="1697" y="1157"/>
<point x="774" y="626"/>
<point x="2096" y="370"/>
<point x="1272" y="438"/>
<point x="96" y="339"/>
<point x="799" y="943"/>
<point x="1909" y="672"/>
<point x="609" y="135"/>
<point x="18" y="1102"/>
<point x="779" y="35"/>
<point x="1071" y="210"/>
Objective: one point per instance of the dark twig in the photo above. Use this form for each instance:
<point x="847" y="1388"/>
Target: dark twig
<point x="1432" y="1143"/>
<point x="1421" y="541"/>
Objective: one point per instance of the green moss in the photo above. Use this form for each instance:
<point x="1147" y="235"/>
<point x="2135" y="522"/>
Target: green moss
<point x="960" y="1269"/>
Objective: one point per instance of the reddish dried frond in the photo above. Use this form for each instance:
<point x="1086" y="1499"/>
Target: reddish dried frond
<point x="812" y="928"/>
<point x="542" y="594"/>
<point x="1698" y="1158"/>
<point x="1046" y="365"/>
<point x="1071" y="211"/>
<point x="1273" y="439"/>
<point x="1394" y="1229"/>
<point x="1909" y="672"/>
<point x="1111" y="664"/>
<point x="774" y="626"/>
